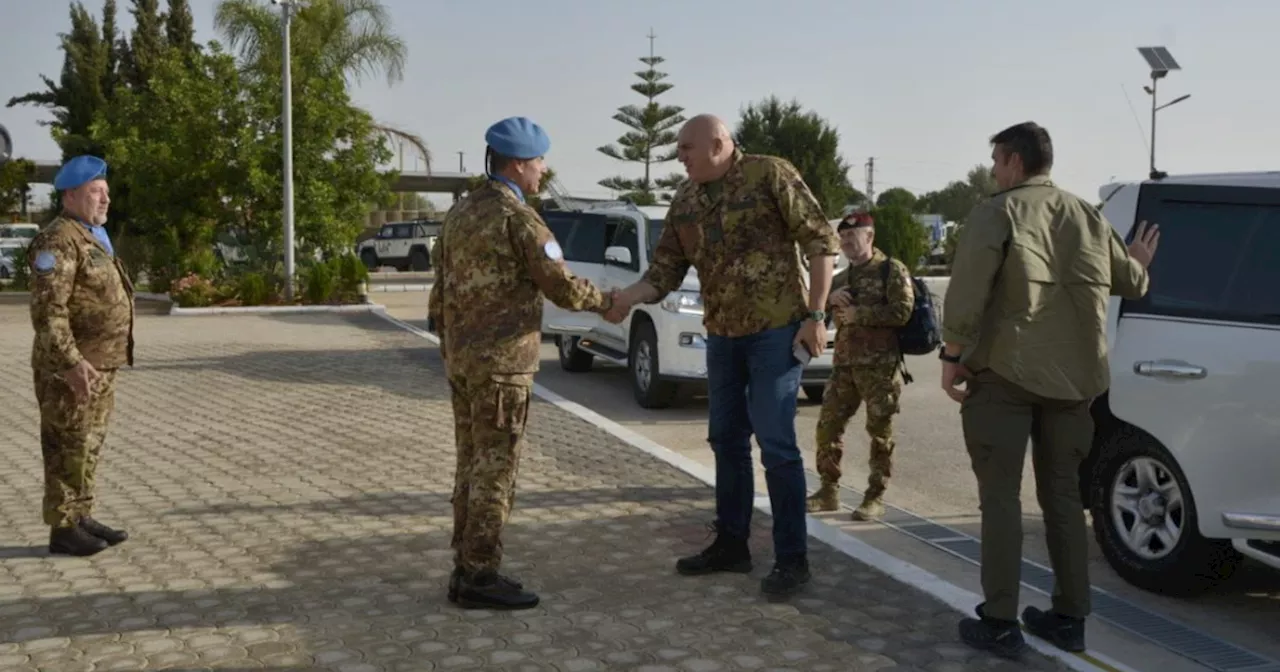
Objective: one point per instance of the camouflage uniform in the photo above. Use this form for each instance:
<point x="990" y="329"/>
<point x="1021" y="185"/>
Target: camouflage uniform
<point x="866" y="364"/>
<point x="81" y="308"/>
<point x="745" y="235"/>
<point x="497" y="261"/>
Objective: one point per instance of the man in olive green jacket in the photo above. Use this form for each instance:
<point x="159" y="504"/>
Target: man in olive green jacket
<point x="1024" y="326"/>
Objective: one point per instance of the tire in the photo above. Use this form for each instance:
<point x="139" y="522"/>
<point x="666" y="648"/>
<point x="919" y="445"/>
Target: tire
<point x="370" y="259"/>
<point x="1184" y="564"/>
<point x="572" y="359"/>
<point x="815" y="392"/>
<point x="650" y="391"/>
<point x="419" y="261"/>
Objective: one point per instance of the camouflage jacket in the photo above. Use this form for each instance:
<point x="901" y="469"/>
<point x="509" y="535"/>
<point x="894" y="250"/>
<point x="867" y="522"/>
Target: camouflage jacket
<point x="742" y="237"/>
<point x="880" y="306"/>
<point x="497" y="260"/>
<point x="81" y="300"/>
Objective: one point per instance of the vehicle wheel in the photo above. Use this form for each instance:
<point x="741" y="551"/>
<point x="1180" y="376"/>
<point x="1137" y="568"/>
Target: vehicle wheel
<point x="649" y="390"/>
<point x="572" y="359"/>
<point x="370" y="259"/>
<point x="419" y="261"/>
<point x="1144" y="519"/>
<point x="815" y="392"/>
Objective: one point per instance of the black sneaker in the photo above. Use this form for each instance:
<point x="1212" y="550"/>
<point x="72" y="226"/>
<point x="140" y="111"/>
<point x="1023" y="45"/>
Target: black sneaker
<point x="725" y="554"/>
<point x="488" y="590"/>
<point x="455" y="580"/>
<point x="1064" y="632"/>
<point x="107" y="534"/>
<point x="999" y="637"/>
<point x="788" y="575"/>
<point x="74" y="540"/>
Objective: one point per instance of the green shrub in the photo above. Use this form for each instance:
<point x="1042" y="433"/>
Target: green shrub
<point x="192" y="291"/>
<point x="21" y="275"/>
<point x="252" y="289"/>
<point x="352" y="274"/>
<point x="319" y="283"/>
<point x="900" y="236"/>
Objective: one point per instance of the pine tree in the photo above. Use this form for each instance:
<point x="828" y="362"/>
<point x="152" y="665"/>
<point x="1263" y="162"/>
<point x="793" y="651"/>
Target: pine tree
<point x="147" y="45"/>
<point x="179" y="28"/>
<point x="653" y="129"/>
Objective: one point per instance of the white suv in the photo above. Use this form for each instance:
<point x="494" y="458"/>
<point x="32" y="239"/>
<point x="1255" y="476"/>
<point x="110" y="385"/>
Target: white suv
<point x="1184" y="477"/>
<point x="404" y="246"/>
<point x="663" y="345"/>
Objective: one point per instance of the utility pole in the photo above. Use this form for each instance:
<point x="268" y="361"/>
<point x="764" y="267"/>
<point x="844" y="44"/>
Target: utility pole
<point x="1162" y="63"/>
<point x="286" y="10"/>
<point x="871" y="182"/>
<point x="460" y="168"/>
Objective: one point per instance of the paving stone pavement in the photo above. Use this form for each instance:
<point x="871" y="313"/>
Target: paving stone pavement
<point x="286" y="481"/>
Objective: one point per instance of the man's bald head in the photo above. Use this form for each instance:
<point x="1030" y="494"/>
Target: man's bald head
<point x="705" y="147"/>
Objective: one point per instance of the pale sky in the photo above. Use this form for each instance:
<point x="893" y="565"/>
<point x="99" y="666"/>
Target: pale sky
<point x="918" y="84"/>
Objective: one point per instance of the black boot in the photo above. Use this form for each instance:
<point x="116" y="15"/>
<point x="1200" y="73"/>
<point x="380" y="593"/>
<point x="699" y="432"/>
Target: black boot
<point x="111" y="536"/>
<point x="788" y="575"/>
<point x="488" y="590"/>
<point x="725" y="554"/>
<point x="455" y="580"/>
<point x="1000" y="637"/>
<point x="1064" y="632"/>
<point x="74" y="541"/>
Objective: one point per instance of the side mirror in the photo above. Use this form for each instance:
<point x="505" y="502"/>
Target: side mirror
<point x="618" y="256"/>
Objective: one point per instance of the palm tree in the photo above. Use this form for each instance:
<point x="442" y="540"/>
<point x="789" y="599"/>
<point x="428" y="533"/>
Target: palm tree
<point x="350" y="38"/>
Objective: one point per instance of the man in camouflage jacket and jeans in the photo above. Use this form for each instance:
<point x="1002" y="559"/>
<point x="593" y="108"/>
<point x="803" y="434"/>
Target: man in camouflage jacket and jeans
<point x="870" y="301"/>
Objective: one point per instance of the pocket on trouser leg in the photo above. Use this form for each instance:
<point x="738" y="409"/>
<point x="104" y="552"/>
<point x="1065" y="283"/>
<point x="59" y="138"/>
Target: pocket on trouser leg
<point x="511" y="407"/>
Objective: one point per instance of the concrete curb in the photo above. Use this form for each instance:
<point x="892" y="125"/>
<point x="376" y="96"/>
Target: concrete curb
<point x="416" y="287"/>
<point x="277" y="310"/>
<point x="954" y="596"/>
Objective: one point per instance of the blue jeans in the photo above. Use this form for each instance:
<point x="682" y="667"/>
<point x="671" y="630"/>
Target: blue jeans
<point x="752" y="383"/>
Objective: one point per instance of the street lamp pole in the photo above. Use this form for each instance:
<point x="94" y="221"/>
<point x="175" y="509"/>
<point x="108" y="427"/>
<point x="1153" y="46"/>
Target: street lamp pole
<point x="1161" y="63"/>
<point x="286" y="10"/>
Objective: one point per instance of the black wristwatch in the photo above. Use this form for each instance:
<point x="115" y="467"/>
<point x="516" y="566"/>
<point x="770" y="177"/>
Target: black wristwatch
<point x="950" y="359"/>
<point x="818" y="316"/>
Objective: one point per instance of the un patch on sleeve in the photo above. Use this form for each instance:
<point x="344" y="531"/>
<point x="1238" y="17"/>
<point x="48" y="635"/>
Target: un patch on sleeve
<point x="552" y="248"/>
<point x="44" y="262"/>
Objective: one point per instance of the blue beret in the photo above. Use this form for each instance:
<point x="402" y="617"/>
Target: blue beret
<point x="518" y="138"/>
<point x="78" y="171"/>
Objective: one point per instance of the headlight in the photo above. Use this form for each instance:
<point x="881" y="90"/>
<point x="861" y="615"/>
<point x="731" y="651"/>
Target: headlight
<point x="689" y="303"/>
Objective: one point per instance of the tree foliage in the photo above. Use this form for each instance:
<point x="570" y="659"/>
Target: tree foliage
<point x="956" y="200"/>
<point x="896" y="196"/>
<point x="653" y="132"/>
<point x="900" y="236"/>
<point x="807" y="141"/>
<point x="15" y="177"/>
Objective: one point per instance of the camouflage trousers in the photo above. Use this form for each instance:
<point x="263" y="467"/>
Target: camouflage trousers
<point x="879" y="389"/>
<point x="71" y="437"/>
<point x="489" y="418"/>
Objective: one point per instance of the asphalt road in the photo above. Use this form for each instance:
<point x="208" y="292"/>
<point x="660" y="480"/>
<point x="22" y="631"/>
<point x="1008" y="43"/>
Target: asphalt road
<point x="932" y="477"/>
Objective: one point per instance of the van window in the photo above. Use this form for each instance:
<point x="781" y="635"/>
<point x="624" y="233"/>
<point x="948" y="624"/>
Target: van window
<point x="582" y="236"/>
<point x="1219" y="253"/>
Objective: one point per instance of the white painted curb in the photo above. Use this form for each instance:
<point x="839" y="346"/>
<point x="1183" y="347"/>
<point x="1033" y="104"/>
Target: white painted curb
<point x="954" y="596"/>
<point x="416" y="287"/>
<point x="277" y="310"/>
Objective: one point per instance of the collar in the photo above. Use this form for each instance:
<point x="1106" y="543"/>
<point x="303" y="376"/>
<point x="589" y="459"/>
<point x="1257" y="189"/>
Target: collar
<point x="1033" y="181"/>
<point x="735" y="165"/>
<point x="83" y="223"/>
<point x="519" y="193"/>
<point x="876" y="255"/>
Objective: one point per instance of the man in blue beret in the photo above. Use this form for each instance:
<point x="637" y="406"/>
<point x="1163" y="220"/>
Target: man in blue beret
<point x="82" y="314"/>
<point x="497" y="263"/>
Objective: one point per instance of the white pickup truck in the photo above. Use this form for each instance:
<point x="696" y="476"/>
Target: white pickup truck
<point x="663" y="345"/>
<point x="1184" y="476"/>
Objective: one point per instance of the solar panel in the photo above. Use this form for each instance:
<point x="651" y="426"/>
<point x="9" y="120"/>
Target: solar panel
<point x="1159" y="59"/>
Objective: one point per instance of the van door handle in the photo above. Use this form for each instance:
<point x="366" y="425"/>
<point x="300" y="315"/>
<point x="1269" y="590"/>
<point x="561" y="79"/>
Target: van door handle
<point x="1169" y="368"/>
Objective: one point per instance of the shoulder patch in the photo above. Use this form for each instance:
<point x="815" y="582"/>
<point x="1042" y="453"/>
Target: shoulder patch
<point x="552" y="248"/>
<point x="44" y="262"/>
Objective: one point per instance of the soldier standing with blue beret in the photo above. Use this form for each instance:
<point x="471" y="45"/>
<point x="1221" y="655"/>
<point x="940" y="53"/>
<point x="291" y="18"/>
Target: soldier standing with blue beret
<point x="497" y="262"/>
<point x="82" y="313"/>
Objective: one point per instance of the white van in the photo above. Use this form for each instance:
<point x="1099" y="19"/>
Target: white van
<point x="19" y="234"/>
<point x="1184" y="477"/>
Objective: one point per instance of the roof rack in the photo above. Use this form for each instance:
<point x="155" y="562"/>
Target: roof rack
<point x="560" y="196"/>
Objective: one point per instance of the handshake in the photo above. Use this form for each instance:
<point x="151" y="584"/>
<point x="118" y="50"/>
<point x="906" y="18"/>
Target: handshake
<point x="620" y="303"/>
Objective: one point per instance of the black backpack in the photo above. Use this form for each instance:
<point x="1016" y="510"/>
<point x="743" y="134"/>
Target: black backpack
<point x="921" y="334"/>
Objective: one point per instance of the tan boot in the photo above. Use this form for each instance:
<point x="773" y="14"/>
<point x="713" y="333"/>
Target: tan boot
<point x="827" y="498"/>
<point x="870" y="509"/>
